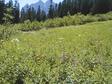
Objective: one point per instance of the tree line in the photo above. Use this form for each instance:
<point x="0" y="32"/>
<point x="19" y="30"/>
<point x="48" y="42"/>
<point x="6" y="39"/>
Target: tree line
<point x="10" y="12"/>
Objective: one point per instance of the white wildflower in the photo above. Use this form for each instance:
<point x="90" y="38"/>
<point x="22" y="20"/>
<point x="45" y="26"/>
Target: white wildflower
<point x="18" y="48"/>
<point x="15" y="40"/>
<point x="61" y="38"/>
<point x="79" y="35"/>
<point x="2" y="40"/>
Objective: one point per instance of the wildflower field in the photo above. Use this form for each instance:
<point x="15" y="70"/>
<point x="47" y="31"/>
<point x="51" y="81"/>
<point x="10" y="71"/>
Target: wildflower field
<point x="66" y="55"/>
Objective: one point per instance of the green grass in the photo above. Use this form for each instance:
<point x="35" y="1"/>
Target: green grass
<point x="67" y="55"/>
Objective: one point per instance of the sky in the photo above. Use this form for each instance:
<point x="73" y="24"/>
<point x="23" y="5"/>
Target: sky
<point x="24" y="2"/>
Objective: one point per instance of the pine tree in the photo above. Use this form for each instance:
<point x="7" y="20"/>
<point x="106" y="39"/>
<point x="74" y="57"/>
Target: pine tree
<point x="43" y="16"/>
<point x="51" y="11"/>
<point x="56" y="11"/>
<point x="64" y="10"/>
<point x="38" y="15"/>
<point x="23" y="15"/>
<point x="101" y="6"/>
<point x="60" y="9"/>
<point x="85" y="6"/>
<point x="29" y="14"/>
<point x="33" y="13"/>
<point x="73" y="8"/>
<point x="2" y="10"/>
<point x="8" y="15"/>
<point x="16" y="12"/>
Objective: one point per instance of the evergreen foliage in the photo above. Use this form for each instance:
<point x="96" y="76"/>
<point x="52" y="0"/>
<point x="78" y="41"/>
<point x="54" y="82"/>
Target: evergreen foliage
<point x="2" y="10"/>
<point x="10" y="12"/>
<point x="71" y="7"/>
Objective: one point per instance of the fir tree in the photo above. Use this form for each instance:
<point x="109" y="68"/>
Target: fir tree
<point x="38" y="15"/>
<point x="51" y="10"/>
<point x="2" y="10"/>
<point x="16" y="12"/>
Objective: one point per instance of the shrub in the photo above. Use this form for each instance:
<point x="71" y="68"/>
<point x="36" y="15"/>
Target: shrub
<point x="89" y="18"/>
<point x="30" y="26"/>
<point x="7" y="31"/>
<point x="76" y="19"/>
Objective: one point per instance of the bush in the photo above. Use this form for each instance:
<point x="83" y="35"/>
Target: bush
<point x="76" y="19"/>
<point x="7" y="31"/>
<point x="89" y="18"/>
<point x="30" y="26"/>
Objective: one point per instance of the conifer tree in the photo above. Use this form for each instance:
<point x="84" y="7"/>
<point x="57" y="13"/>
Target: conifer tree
<point x="43" y="16"/>
<point x="2" y="10"/>
<point x="9" y="12"/>
<point x="23" y="18"/>
<point x="33" y="13"/>
<point x="16" y="12"/>
<point x="38" y="15"/>
<point x="51" y="10"/>
<point x="101" y="6"/>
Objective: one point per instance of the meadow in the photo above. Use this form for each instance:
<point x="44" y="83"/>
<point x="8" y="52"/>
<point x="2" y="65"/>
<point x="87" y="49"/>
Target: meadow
<point x="79" y="54"/>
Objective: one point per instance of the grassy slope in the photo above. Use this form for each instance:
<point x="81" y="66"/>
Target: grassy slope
<point x="67" y="38"/>
<point x="89" y="45"/>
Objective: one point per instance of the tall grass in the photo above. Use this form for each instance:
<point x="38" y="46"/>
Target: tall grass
<point x="6" y="31"/>
<point x="72" y="55"/>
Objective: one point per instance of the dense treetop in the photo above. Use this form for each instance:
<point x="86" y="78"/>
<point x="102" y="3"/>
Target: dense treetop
<point x="10" y="12"/>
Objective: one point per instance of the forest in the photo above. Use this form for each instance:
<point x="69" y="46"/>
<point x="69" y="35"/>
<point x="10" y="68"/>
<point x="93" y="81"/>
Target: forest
<point x="11" y="12"/>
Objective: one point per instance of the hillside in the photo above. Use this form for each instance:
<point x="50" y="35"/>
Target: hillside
<point x="66" y="55"/>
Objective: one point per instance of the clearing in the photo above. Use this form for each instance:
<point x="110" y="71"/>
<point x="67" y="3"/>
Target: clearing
<point x="78" y="54"/>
